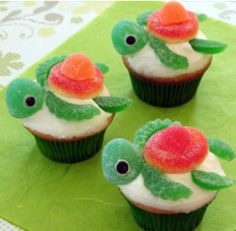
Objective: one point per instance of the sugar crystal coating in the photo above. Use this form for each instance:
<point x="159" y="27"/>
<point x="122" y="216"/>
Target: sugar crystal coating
<point x="176" y="149"/>
<point x="121" y="152"/>
<point x="124" y="29"/>
<point x="24" y="97"/>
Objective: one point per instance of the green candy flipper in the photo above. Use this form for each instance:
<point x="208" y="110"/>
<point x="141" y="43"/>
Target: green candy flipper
<point x="43" y="69"/>
<point x="207" y="46"/>
<point x="201" y="17"/>
<point x="143" y="134"/>
<point x="221" y="149"/>
<point x="142" y="18"/>
<point x="167" y="57"/>
<point x="68" y="111"/>
<point x="159" y="185"/>
<point x="112" y="104"/>
<point x="211" y="180"/>
<point x="102" y="67"/>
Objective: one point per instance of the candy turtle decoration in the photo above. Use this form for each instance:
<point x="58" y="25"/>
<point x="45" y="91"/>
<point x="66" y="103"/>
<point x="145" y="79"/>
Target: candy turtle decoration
<point x="172" y="24"/>
<point x="160" y="148"/>
<point x="60" y="78"/>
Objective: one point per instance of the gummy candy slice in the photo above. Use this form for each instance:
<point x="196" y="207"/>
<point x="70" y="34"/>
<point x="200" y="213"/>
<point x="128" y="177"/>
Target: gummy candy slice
<point x="167" y="57"/>
<point x="211" y="180"/>
<point x="43" y="70"/>
<point x="78" y="67"/>
<point x="144" y="133"/>
<point x="68" y="111"/>
<point x="113" y="104"/>
<point x="82" y="89"/>
<point x="221" y="149"/>
<point x="128" y="37"/>
<point x="121" y="161"/>
<point x="143" y="18"/>
<point x="173" y="13"/>
<point x="159" y="185"/>
<point x="173" y="33"/>
<point x="24" y="97"/>
<point x="207" y="46"/>
<point x="202" y="17"/>
<point x="102" y="67"/>
<point x="176" y="149"/>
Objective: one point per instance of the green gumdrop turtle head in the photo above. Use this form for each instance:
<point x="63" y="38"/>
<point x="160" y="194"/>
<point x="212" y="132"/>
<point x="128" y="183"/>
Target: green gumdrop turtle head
<point x="24" y="97"/>
<point x="128" y="37"/>
<point x="122" y="162"/>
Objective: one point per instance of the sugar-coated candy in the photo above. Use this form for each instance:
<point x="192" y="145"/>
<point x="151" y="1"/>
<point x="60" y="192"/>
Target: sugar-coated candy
<point x="168" y="57"/>
<point x="43" y="70"/>
<point x="144" y="133"/>
<point x="128" y="37"/>
<point x="24" y="97"/>
<point x="211" y="180"/>
<point x="176" y="149"/>
<point x="121" y="161"/>
<point x="113" y="104"/>
<point x="102" y="67"/>
<point x="78" y="67"/>
<point x="221" y="149"/>
<point x="68" y="111"/>
<point x="161" y="186"/>
<point x="143" y="18"/>
<point x="207" y="46"/>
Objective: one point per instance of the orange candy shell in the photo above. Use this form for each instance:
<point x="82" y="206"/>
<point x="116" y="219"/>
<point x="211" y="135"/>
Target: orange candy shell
<point x="82" y="89"/>
<point x="78" y="67"/>
<point x="173" y="33"/>
<point x="185" y="157"/>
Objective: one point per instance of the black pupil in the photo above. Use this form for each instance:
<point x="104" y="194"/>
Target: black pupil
<point x="122" y="167"/>
<point x="30" y="101"/>
<point x="130" y="40"/>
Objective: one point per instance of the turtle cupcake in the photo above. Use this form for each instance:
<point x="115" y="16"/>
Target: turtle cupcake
<point x="169" y="174"/>
<point x="67" y="109"/>
<point x="165" y="53"/>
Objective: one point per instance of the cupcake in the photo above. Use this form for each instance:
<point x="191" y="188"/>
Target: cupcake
<point x="168" y="175"/>
<point x="165" y="53"/>
<point x="67" y="109"/>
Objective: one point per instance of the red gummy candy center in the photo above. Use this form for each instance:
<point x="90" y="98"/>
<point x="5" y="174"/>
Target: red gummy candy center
<point x="175" y="139"/>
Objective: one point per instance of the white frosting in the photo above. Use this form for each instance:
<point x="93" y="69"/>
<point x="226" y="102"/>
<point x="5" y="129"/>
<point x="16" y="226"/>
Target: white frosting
<point x="147" y="63"/>
<point x="137" y="192"/>
<point x="47" y="123"/>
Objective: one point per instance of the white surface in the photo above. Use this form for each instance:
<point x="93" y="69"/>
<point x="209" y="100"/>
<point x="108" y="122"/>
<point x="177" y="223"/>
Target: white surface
<point x="137" y="191"/>
<point x="147" y="63"/>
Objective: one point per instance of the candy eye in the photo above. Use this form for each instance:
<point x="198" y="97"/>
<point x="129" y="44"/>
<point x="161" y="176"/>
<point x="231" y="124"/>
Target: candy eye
<point x="30" y="101"/>
<point x="121" y="161"/>
<point x="128" y="37"/>
<point x="24" y="97"/>
<point x="122" y="167"/>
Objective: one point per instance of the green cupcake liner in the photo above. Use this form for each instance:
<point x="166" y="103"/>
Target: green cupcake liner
<point x="164" y="95"/>
<point x="71" y="151"/>
<point x="167" y="222"/>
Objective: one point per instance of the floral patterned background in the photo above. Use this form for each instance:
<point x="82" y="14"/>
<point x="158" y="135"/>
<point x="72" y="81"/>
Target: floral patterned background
<point x="31" y="29"/>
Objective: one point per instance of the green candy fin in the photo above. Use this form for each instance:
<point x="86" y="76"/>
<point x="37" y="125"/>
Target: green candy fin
<point x="144" y="133"/>
<point x="221" y="149"/>
<point x="202" y="17"/>
<point x="143" y="18"/>
<point x="68" y="111"/>
<point x="112" y="104"/>
<point x="207" y="46"/>
<point x="43" y="69"/>
<point x="210" y="180"/>
<point x="102" y="67"/>
<point x="159" y="185"/>
<point x="167" y="57"/>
